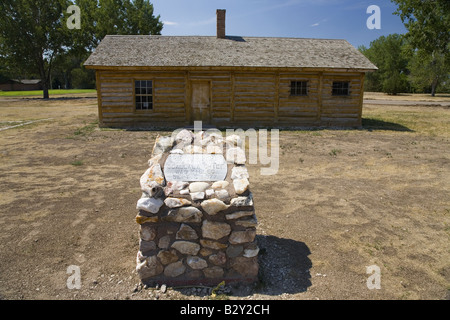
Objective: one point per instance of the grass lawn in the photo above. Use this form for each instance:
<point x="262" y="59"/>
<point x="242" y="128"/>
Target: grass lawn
<point x="40" y="92"/>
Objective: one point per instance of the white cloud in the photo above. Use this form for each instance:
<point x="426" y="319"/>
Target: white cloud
<point x="318" y="23"/>
<point x="170" y="23"/>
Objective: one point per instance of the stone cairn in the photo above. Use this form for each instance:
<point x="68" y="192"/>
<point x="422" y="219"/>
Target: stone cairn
<point x="197" y="232"/>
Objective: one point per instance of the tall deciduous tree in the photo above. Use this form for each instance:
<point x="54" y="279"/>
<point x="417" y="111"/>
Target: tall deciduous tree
<point x="428" y="24"/>
<point x="116" y="17"/>
<point x="34" y="33"/>
<point x="428" y="71"/>
<point x="387" y="53"/>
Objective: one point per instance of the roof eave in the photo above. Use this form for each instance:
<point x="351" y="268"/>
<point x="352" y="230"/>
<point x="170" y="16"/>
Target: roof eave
<point x="227" y="68"/>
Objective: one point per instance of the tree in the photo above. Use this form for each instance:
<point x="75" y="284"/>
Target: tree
<point x="102" y="17"/>
<point x="83" y="78"/>
<point x="388" y="54"/>
<point x="5" y="72"/>
<point x="373" y="80"/>
<point x="34" y="34"/>
<point x="115" y="17"/>
<point x="428" y="25"/>
<point x="62" y="74"/>
<point x="428" y="72"/>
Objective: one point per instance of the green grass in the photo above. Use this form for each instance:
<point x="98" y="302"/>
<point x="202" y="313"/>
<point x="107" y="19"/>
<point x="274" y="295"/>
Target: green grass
<point x="10" y="123"/>
<point x="84" y="131"/>
<point x="40" y="93"/>
<point x="335" y="152"/>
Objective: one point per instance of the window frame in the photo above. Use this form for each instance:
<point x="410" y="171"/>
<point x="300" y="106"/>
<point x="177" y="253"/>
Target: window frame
<point x="342" y="91"/>
<point x="136" y="95"/>
<point x="297" y="91"/>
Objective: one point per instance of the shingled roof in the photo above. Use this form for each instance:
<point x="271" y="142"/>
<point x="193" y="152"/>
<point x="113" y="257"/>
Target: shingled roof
<point x="202" y="51"/>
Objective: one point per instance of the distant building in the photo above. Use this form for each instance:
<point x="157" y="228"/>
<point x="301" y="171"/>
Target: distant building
<point x="20" y="85"/>
<point x="226" y="81"/>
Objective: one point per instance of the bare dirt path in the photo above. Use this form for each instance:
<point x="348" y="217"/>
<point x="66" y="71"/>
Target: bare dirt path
<point x="342" y="200"/>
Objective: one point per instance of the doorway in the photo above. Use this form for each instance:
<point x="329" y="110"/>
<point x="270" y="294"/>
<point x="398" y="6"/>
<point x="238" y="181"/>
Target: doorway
<point x="201" y="101"/>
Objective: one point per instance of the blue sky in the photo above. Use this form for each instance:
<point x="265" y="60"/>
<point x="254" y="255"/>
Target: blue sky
<point x="327" y="19"/>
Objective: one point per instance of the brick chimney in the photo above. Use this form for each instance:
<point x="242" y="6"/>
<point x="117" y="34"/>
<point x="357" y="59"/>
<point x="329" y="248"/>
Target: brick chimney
<point x="221" y="23"/>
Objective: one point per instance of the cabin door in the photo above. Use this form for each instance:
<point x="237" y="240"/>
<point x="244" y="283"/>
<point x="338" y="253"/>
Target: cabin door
<point x="201" y="101"/>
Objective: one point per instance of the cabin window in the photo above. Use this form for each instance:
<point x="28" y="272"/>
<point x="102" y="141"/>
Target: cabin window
<point x="341" y="88"/>
<point x="299" y="88"/>
<point x="143" y="92"/>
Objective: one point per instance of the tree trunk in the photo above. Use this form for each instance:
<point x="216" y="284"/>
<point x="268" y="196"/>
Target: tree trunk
<point x="435" y="80"/>
<point x="44" y="77"/>
<point x="433" y="87"/>
<point x="66" y="80"/>
<point x="45" y="82"/>
<point x="45" y="89"/>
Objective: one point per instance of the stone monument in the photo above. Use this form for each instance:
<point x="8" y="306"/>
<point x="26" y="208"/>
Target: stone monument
<point x="196" y="214"/>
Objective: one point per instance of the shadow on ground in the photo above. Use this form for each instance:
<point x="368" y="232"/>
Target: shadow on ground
<point x="59" y="98"/>
<point x="283" y="266"/>
<point x="367" y="124"/>
<point x="376" y="124"/>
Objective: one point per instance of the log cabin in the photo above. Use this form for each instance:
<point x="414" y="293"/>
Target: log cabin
<point x="228" y="81"/>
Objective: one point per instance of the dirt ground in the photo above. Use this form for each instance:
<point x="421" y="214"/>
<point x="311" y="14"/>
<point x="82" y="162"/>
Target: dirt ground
<point x="341" y="201"/>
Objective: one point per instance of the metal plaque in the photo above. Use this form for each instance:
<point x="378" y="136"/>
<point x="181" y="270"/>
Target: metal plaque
<point x="195" y="167"/>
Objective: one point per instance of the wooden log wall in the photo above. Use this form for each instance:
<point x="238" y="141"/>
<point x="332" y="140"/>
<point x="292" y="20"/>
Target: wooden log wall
<point x="301" y="110"/>
<point x="237" y="98"/>
<point x="342" y="110"/>
<point x="254" y="98"/>
<point x="116" y="97"/>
